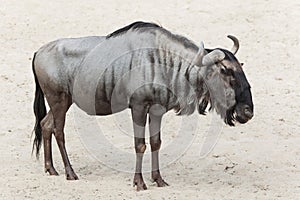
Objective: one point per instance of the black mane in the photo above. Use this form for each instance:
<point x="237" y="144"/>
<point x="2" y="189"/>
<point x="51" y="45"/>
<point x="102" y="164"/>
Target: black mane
<point x="140" y="25"/>
<point x="133" y="26"/>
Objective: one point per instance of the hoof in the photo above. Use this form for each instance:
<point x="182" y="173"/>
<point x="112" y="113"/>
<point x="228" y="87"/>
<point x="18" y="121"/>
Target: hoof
<point x="140" y="186"/>
<point x="161" y="183"/>
<point x="139" y="182"/>
<point x="156" y="177"/>
<point x="71" y="175"/>
<point x="51" y="171"/>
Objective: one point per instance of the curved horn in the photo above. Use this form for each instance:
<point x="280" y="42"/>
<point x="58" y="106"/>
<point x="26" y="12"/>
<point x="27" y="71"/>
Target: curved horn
<point x="199" y="56"/>
<point x="213" y="57"/>
<point x="236" y="44"/>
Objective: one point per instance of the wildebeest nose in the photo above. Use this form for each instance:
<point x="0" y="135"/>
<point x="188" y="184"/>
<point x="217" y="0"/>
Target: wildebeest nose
<point x="248" y="112"/>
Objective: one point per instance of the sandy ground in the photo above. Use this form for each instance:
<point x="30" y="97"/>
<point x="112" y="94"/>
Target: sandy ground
<point x="259" y="160"/>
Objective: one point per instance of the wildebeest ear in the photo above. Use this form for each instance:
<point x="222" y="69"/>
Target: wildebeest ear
<point x="199" y="56"/>
<point x="213" y="57"/>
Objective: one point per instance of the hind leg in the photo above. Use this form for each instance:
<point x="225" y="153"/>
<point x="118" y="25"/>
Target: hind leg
<point x="47" y="130"/>
<point x="59" y="105"/>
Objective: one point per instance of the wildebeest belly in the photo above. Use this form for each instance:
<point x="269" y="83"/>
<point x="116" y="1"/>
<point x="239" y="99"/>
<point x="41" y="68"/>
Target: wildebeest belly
<point x="110" y="92"/>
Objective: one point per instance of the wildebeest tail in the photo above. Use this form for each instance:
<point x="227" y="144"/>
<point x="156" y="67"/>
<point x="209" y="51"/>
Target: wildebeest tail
<point x="39" y="112"/>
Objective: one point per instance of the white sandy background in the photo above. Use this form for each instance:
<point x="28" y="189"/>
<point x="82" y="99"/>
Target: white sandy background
<point x="258" y="160"/>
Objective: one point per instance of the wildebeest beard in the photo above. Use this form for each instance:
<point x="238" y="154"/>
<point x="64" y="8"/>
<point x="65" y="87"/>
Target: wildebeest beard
<point x="226" y="114"/>
<point x="221" y="100"/>
<point x="229" y="118"/>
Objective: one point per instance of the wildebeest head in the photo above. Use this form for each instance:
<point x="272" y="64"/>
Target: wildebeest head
<point x="228" y="90"/>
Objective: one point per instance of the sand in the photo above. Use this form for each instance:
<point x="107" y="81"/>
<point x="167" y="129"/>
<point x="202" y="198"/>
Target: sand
<point x="258" y="160"/>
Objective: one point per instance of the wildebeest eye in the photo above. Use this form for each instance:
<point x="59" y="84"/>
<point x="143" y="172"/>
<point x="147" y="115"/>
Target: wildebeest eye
<point x="226" y="71"/>
<point x="223" y="70"/>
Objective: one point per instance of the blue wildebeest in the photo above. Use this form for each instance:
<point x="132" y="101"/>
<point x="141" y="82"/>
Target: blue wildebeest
<point x="143" y="67"/>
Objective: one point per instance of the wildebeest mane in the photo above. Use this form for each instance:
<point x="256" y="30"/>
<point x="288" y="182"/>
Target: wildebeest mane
<point x="133" y="26"/>
<point x="139" y="25"/>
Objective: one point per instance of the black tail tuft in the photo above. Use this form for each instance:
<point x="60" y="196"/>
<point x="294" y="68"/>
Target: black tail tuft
<point x="39" y="112"/>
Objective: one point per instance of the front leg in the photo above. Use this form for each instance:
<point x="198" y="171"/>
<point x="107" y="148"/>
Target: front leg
<point x="139" y="116"/>
<point x="155" y="142"/>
